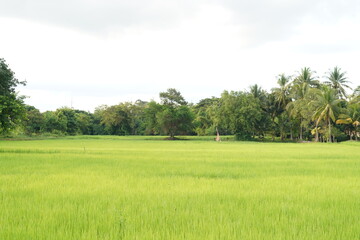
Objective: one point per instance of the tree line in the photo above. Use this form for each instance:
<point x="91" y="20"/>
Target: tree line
<point x="299" y="108"/>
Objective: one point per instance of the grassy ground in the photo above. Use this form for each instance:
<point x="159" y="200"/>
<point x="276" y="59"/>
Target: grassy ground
<point x="136" y="188"/>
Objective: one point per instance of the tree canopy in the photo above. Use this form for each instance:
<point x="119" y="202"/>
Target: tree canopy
<point x="301" y="107"/>
<point x="12" y="108"/>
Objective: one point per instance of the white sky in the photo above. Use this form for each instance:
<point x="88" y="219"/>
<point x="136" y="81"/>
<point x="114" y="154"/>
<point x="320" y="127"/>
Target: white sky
<point x="89" y="53"/>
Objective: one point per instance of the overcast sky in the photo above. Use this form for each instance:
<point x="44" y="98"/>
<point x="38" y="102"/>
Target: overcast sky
<point x="85" y="53"/>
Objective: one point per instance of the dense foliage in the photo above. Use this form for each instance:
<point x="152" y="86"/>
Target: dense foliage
<point x="301" y="108"/>
<point x="11" y="105"/>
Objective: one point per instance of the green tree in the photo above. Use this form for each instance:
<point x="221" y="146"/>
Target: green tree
<point x="338" y="81"/>
<point x="68" y="115"/>
<point x="117" y="119"/>
<point x="306" y="76"/>
<point x="175" y="120"/>
<point x="204" y="123"/>
<point x="302" y="93"/>
<point x="172" y="97"/>
<point x="175" y="116"/>
<point x="34" y="122"/>
<point x="84" y="122"/>
<point x="138" y="118"/>
<point x="282" y="93"/>
<point x="239" y="112"/>
<point x="276" y="103"/>
<point x="264" y="124"/>
<point x="99" y="127"/>
<point x="355" y="97"/>
<point x="150" y="120"/>
<point x="283" y="124"/>
<point x="352" y="119"/>
<point x="327" y="107"/>
<point x="55" y="122"/>
<point x="12" y="108"/>
<point x="258" y="92"/>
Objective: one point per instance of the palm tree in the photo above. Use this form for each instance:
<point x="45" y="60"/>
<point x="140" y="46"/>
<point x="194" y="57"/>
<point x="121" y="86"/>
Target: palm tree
<point x="283" y="91"/>
<point x="306" y="77"/>
<point x="295" y="108"/>
<point x="327" y="107"/>
<point x="357" y="91"/>
<point x="257" y="91"/>
<point x="299" y="109"/>
<point x="271" y="108"/>
<point x="351" y="118"/>
<point x="337" y="80"/>
<point x="301" y="94"/>
<point x="355" y="97"/>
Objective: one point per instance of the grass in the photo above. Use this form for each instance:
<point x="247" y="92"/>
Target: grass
<point x="143" y="188"/>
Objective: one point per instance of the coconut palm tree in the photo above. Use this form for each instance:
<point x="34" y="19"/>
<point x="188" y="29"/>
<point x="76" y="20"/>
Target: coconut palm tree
<point x="257" y="91"/>
<point x="355" y="97"/>
<point x="302" y="94"/>
<point x="327" y="107"/>
<point x="306" y="77"/>
<point x="338" y="81"/>
<point x="283" y="91"/>
<point x="351" y="119"/>
<point x="357" y="91"/>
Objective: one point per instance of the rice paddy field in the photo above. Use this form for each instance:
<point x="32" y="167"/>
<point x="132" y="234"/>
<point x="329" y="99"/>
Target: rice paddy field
<point x="147" y="188"/>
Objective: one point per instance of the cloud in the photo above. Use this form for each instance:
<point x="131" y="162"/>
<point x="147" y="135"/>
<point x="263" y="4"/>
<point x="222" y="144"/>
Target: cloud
<point x="99" y="15"/>
<point x="259" y="20"/>
<point x="102" y="52"/>
<point x="276" y="20"/>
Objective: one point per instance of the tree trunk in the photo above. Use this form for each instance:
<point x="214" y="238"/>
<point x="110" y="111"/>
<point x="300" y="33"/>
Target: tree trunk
<point x="217" y="135"/>
<point x="356" y="135"/>
<point x="172" y="134"/>
<point x="329" y="130"/>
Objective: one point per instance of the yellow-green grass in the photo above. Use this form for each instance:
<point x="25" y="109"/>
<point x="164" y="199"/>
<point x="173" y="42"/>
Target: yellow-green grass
<point x="146" y="188"/>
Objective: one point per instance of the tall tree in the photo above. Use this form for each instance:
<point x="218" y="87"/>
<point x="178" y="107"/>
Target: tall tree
<point x="70" y="118"/>
<point x="84" y="122"/>
<point x="12" y="108"/>
<point x="99" y="127"/>
<point x="338" y="81"/>
<point x="138" y="118"/>
<point x="204" y="122"/>
<point x="282" y="92"/>
<point x="280" y="97"/>
<point x="172" y="97"/>
<point x="301" y="93"/>
<point x="355" y="97"/>
<point x="175" y="116"/>
<point x="34" y="122"/>
<point x="150" y="120"/>
<point x="352" y="119"/>
<point x="55" y="122"/>
<point x="117" y="119"/>
<point x="239" y="113"/>
<point x="175" y="120"/>
<point x="306" y="76"/>
<point x="257" y="92"/>
<point x="327" y="107"/>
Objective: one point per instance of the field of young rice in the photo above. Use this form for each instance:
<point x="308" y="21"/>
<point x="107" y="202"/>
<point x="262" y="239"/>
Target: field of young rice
<point x="136" y="188"/>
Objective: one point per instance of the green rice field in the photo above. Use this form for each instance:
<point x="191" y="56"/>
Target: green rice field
<point x="147" y="188"/>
